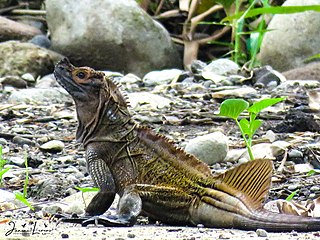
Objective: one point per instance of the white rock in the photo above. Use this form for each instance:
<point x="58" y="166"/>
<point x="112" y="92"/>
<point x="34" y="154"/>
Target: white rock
<point x="155" y="78"/>
<point x="17" y="161"/>
<point x="148" y="100"/>
<point x="222" y="67"/>
<point x="6" y="196"/>
<point x="54" y="145"/>
<point x="211" y="148"/>
<point x="28" y="77"/>
<point x="239" y="92"/>
<point x="37" y="95"/>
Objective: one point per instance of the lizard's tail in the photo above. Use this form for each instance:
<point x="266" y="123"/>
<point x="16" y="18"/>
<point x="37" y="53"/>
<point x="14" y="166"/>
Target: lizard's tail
<point x="275" y="222"/>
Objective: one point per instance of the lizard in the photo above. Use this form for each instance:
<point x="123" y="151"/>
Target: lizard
<point x="155" y="178"/>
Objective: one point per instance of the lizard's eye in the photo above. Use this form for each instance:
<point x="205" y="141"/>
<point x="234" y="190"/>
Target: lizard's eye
<point x="81" y="75"/>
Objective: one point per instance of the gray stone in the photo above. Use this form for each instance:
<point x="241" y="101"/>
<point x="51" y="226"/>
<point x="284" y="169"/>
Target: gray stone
<point x="155" y="78"/>
<point x="217" y="69"/>
<point x="3" y="141"/>
<point x="266" y="76"/>
<point x="242" y="92"/>
<point x="261" y="233"/>
<point x="310" y="71"/>
<point x="294" y="153"/>
<point x="211" y="148"/>
<point x="13" y="81"/>
<point x="17" y="58"/>
<point x="17" y="161"/>
<point x="41" y="41"/>
<point x="119" y="36"/>
<point x="51" y="209"/>
<point x="292" y="39"/>
<point x="52" y="146"/>
<point x="28" y="77"/>
<point x="22" y="141"/>
<point x="197" y="66"/>
<point x="47" y="81"/>
<point x="36" y="95"/>
<point x="146" y="100"/>
<point x="74" y="208"/>
<point x="293" y="187"/>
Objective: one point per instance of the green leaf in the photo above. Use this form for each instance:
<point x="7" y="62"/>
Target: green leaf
<point x="3" y="171"/>
<point x="87" y="189"/>
<point x="272" y="10"/>
<point x="233" y="107"/>
<point x="289" y="198"/>
<point x="310" y="59"/>
<point x="254" y="126"/>
<point x="21" y="198"/>
<point x="262" y="104"/>
<point x="313" y="171"/>
<point x="245" y="126"/>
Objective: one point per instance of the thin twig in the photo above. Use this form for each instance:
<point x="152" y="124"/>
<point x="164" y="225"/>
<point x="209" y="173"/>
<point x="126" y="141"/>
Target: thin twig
<point x="216" y="35"/>
<point x="283" y="161"/>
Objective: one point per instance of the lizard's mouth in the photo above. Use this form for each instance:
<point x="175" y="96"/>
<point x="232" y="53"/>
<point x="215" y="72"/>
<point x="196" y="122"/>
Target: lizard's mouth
<point x="62" y="73"/>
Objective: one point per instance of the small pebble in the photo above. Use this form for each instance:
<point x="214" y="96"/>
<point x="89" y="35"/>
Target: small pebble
<point x="315" y="189"/>
<point x="64" y="235"/>
<point x="261" y="233"/>
<point x="293" y="187"/>
<point x="17" y="161"/>
<point x="3" y="141"/>
<point x="295" y="154"/>
<point x="21" y="140"/>
<point x="200" y="225"/>
<point x="131" y="235"/>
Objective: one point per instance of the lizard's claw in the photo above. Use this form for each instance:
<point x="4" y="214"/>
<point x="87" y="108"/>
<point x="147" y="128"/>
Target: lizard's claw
<point x="107" y="221"/>
<point x="74" y="218"/>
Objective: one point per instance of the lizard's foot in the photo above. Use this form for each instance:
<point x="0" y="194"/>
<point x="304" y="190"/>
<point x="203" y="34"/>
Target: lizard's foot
<point x="108" y="221"/>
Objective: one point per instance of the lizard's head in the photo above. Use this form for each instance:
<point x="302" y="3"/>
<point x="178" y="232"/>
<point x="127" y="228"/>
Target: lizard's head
<point x="100" y="103"/>
<point x="81" y="83"/>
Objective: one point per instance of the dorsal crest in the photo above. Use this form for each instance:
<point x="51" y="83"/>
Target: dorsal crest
<point x="166" y="148"/>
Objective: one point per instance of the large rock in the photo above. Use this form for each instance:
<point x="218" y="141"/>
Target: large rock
<point x="211" y="148"/>
<point x="311" y="71"/>
<point x="292" y="39"/>
<point x="17" y="58"/>
<point x="39" y="95"/>
<point x="108" y="34"/>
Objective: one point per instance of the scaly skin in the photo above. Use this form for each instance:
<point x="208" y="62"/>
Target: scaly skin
<point x="154" y="177"/>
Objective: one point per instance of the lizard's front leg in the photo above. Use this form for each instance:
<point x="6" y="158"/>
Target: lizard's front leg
<point x="102" y="177"/>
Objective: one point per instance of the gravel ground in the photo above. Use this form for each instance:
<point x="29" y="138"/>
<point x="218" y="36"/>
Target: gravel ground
<point x="71" y="231"/>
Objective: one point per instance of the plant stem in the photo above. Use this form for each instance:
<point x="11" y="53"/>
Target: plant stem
<point x="247" y="142"/>
<point x="26" y="181"/>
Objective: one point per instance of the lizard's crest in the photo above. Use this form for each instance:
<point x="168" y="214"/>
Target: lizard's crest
<point x="97" y="98"/>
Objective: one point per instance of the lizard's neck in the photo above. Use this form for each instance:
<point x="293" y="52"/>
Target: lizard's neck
<point x="111" y="123"/>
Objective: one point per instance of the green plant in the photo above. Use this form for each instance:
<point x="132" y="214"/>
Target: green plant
<point x="290" y="197"/>
<point x="2" y="164"/>
<point x="87" y="189"/>
<point x="232" y="108"/>
<point x="22" y="197"/>
<point x="237" y="21"/>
